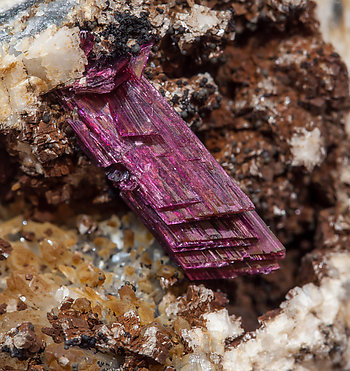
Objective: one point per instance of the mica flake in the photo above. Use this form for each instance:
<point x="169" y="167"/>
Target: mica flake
<point x="166" y="175"/>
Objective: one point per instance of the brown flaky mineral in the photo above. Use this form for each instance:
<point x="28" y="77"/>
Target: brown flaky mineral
<point x="22" y="342"/>
<point x="5" y="249"/>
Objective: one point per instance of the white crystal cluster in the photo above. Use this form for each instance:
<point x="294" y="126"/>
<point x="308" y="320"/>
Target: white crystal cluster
<point x="200" y="20"/>
<point x="300" y="336"/>
<point x="307" y="148"/>
<point x="35" y="65"/>
<point x="292" y="339"/>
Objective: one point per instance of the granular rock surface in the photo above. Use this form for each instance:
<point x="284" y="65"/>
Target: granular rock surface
<point x="108" y="298"/>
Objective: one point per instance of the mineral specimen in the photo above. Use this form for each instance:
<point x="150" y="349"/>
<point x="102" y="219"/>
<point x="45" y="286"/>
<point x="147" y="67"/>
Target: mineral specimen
<point x="96" y="291"/>
<point x="165" y="174"/>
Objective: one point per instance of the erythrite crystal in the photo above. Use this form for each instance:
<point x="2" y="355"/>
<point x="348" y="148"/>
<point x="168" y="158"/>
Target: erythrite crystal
<point x="166" y="175"/>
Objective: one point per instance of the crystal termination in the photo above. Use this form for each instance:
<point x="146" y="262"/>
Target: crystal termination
<point x="166" y="175"/>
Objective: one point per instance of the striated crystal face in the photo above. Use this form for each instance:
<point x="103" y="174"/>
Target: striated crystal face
<point x="166" y="175"/>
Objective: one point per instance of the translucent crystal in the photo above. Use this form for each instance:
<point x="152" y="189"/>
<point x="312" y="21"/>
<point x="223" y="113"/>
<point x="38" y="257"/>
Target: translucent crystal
<point x="166" y="175"/>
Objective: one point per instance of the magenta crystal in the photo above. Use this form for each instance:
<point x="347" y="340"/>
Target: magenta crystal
<point x="166" y="175"/>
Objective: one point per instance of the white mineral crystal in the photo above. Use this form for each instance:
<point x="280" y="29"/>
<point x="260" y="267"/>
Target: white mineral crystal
<point x="308" y="311"/>
<point x="151" y="336"/>
<point x="200" y="20"/>
<point x="36" y="65"/>
<point x="64" y="292"/>
<point x="296" y="338"/>
<point x="307" y="148"/>
<point x="54" y="56"/>
<point x="196" y="339"/>
<point x="221" y="327"/>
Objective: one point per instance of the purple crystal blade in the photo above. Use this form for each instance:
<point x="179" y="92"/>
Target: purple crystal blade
<point x="181" y="238"/>
<point x="215" y="258"/>
<point x="248" y="250"/>
<point x="166" y="175"/>
<point x="232" y="271"/>
<point x="102" y="157"/>
<point x="226" y="196"/>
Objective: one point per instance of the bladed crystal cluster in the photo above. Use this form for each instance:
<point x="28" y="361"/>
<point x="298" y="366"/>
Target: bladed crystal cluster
<point x="165" y="174"/>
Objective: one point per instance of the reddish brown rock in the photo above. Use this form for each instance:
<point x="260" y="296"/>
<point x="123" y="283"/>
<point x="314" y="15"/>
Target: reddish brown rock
<point x="5" y="249"/>
<point x="22" y="342"/>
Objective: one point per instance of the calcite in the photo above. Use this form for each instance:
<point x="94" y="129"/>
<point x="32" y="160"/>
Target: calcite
<point x="165" y="174"/>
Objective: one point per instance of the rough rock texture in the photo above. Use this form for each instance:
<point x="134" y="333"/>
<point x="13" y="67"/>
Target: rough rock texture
<point x="271" y="105"/>
<point x="49" y="166"/>
<point x="285" y="119"/>
<point x="105" y="297"/>
<point x="275" y="98"/>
